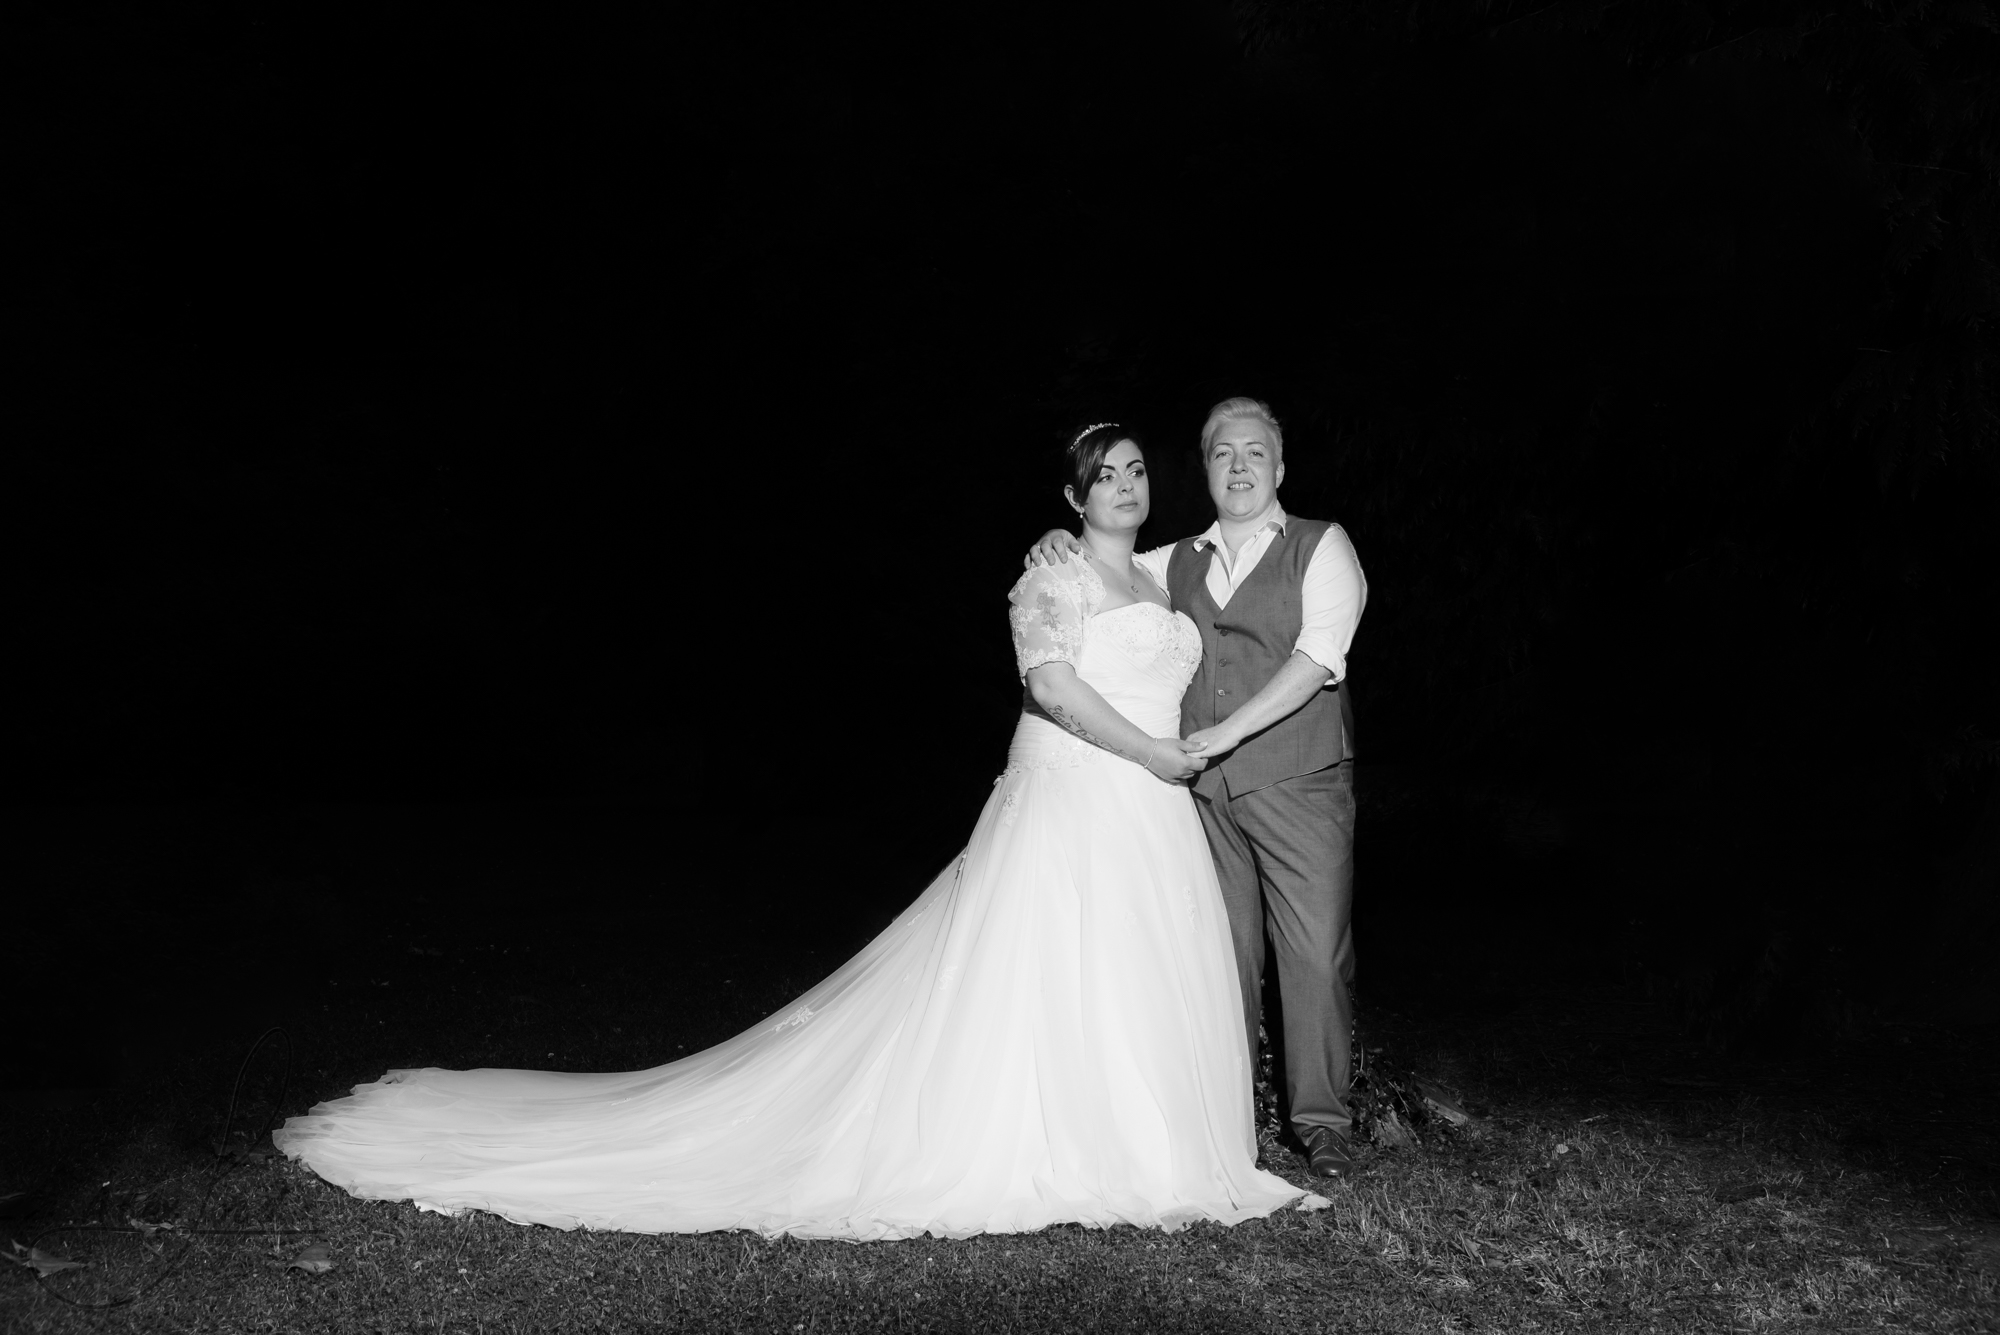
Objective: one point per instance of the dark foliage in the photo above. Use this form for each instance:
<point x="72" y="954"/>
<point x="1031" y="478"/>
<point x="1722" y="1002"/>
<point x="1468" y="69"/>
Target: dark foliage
<point x="1744" y="540"/>
<point x="394" y="372"/>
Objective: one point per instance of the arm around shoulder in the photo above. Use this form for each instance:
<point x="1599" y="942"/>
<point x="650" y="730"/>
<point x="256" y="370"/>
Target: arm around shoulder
<point x="1155" y="563"/>
<point x="1052" y="548"/>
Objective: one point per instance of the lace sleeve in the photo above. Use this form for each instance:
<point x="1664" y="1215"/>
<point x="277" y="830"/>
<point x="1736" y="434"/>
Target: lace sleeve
<point x="1047" y="616"/>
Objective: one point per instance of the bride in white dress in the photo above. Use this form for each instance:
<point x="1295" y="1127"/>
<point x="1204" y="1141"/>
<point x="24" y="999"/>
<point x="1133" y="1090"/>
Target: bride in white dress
<point x="1051" y="1033"/>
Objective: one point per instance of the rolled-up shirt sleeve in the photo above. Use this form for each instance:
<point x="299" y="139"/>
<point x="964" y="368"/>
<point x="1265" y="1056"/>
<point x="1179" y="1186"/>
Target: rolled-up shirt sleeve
<point x="1331" y="596"/>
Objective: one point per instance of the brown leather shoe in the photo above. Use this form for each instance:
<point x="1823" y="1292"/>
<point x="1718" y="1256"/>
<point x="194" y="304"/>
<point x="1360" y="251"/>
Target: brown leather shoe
<point x="1327" y="1152"/>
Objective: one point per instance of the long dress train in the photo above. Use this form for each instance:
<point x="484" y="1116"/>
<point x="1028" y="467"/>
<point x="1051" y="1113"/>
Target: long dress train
<point x="1050" y="1033"/>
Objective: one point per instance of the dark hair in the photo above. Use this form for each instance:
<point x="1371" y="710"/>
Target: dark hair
<point x="1087" y="448"/>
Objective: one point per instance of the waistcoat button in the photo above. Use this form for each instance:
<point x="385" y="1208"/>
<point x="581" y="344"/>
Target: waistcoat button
<point x="1221" y="691"/>
<point x="1223" y="633"/>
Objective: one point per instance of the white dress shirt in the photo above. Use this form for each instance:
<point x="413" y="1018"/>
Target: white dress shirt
<point x="1331" y="595"/>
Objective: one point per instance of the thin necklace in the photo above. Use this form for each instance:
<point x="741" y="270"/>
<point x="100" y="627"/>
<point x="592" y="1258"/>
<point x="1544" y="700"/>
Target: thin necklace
<point x="1130" y="582"/>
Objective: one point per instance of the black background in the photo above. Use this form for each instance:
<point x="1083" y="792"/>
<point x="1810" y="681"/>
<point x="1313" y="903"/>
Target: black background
<point x="501" y="405"/>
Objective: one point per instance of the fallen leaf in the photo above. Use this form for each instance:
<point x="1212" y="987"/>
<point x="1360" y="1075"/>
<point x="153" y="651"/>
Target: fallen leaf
<point x="44" y="1264"/>
<point x="314" y="1260"/>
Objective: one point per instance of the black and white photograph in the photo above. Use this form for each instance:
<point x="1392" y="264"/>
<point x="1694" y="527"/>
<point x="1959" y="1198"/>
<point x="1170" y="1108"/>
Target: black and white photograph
<point x="1221" y="666"/>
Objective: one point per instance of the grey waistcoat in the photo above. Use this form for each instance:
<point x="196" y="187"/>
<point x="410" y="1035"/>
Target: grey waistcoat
<point x="1242" y="648"/>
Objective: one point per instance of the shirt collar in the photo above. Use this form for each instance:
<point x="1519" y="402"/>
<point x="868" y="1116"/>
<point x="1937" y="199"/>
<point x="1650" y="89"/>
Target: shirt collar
<point x="1278" y="520"/>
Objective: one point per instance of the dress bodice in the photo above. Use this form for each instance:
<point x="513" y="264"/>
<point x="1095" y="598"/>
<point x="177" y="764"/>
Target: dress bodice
<point x="1139" y="657"/>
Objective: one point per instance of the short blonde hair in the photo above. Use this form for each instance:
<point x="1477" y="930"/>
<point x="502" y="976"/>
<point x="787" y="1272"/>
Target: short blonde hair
<point x="1231" y="410"/>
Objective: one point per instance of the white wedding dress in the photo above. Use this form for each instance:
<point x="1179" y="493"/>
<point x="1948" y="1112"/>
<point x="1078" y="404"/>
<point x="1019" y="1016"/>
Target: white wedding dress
<point x="1051" y="1033"/>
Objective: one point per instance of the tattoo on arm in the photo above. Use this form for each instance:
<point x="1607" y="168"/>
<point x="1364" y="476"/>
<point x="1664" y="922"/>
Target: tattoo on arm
<point x="1074" y="724"/>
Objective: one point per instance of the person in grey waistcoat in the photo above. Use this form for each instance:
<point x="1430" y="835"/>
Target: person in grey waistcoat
<point x="1277" y="600"/>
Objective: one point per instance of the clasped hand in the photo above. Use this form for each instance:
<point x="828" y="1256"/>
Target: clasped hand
<point x="1174" y="760"/>
<point x="1213" y="743"/>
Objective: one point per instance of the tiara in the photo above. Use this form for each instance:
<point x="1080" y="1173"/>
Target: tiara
<point x="1077" y="439"/>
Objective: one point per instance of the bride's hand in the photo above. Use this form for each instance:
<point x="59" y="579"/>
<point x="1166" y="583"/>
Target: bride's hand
<point x="1055" y="546"/>
<point x="1210" y="743"/>
<point x="1171" y="763"/>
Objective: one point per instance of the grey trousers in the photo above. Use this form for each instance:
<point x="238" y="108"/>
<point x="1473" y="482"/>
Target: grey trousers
<point x="1285" y="857"/>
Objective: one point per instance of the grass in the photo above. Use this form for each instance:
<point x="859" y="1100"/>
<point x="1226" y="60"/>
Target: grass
<point x="1621" y="1222"/>
<point x="1710" y="1214"/>
<point x="1626" y="1179"/>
